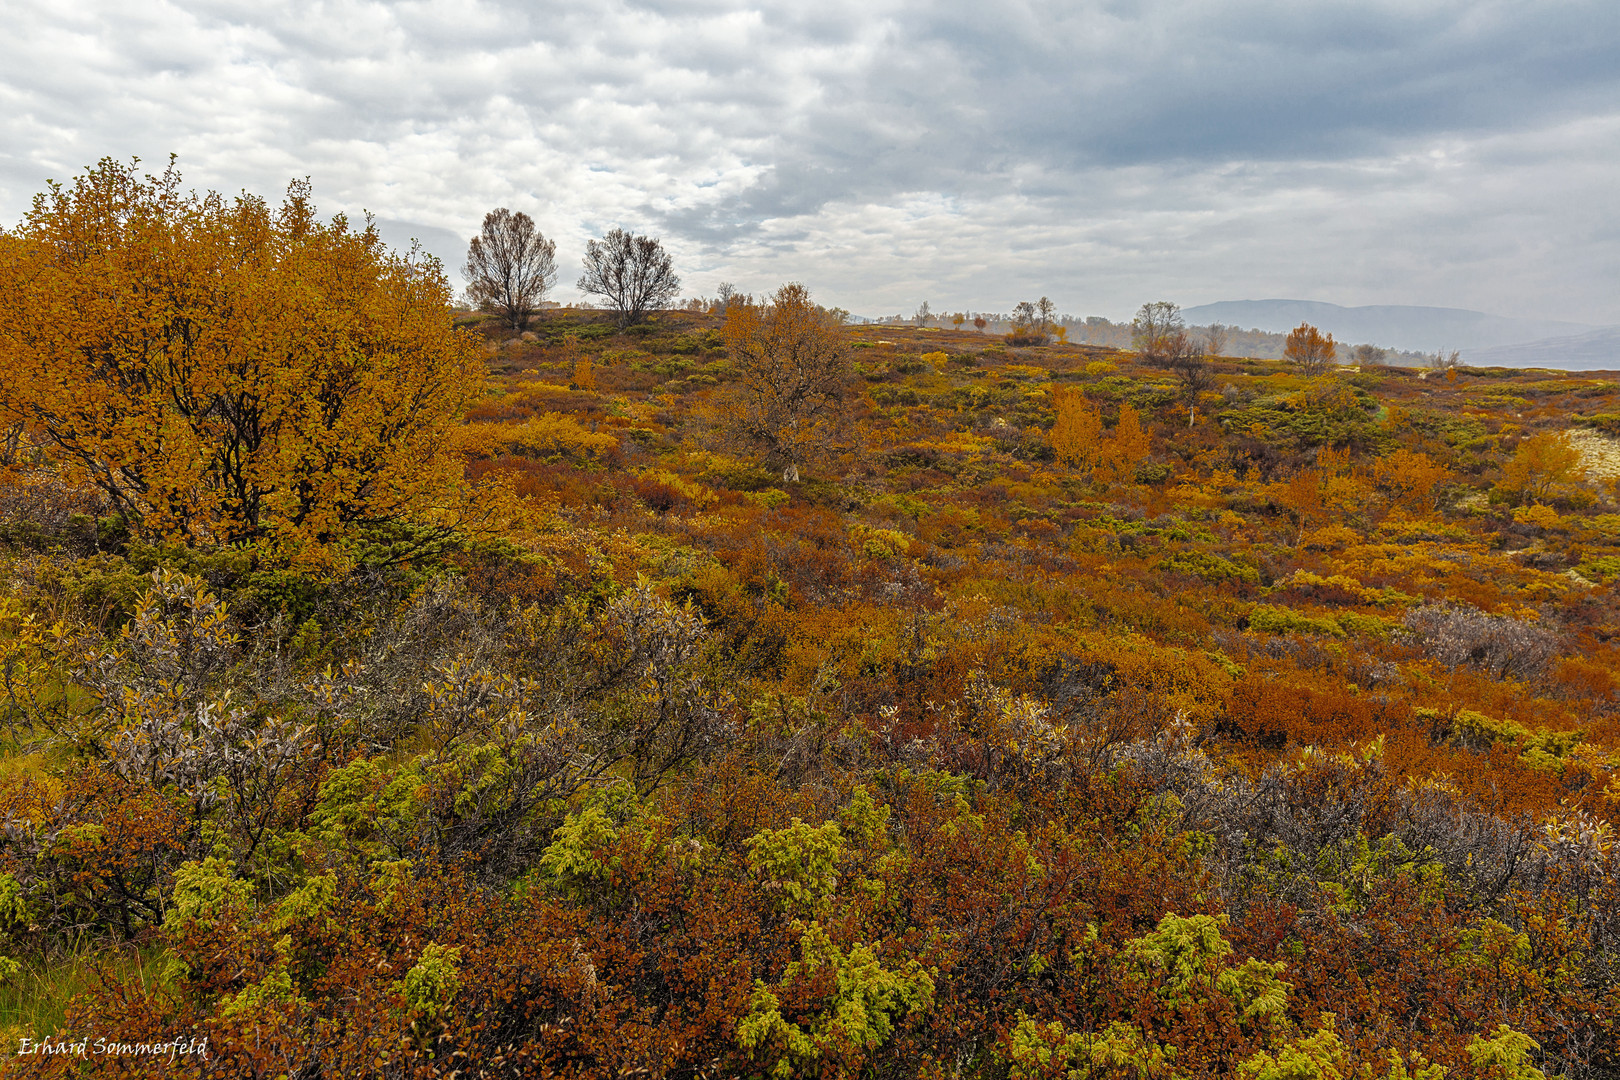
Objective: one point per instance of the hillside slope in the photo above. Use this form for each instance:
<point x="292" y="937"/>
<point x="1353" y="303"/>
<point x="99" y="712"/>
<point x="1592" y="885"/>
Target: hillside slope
<point x="1598" y="350"/>
<point x="1059" y="721"/>
<point x="1391" y="326"/>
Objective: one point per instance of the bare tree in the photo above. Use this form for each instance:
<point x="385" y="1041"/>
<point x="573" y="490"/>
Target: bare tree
<point x="924" y="315"/>
<point x="510" y="266"/>
<point x="1190" y="364"/>
<point x="1215" y="339"/>
<point x="1154" y="328"/>
<point x="1368" y="354"/>
<point x="634" y="273"/>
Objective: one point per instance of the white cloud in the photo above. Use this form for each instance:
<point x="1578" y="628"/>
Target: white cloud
<point x="883" y="152"/>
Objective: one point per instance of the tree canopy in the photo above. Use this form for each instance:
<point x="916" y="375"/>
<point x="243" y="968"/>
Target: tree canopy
<point x="226" y="371"/>
<point x="510" y="266"/>
<point x="1155" y="330"/>
<point x="792" y="362"/>
<point x="1310" y="348"/>
<point x="634" y="273"/>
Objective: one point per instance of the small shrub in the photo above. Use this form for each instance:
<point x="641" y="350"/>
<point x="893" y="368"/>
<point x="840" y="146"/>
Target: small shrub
<point x="1500" y="645"/>
<point x="1212" y="568"/>
<point x="1270" y="619"/>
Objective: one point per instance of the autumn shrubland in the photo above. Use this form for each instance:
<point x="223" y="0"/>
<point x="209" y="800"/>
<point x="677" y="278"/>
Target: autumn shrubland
<point x="974" y="709"/>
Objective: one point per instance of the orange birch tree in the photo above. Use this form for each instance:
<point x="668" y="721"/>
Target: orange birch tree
<point x="1310" y="349"/>
<point x="792" y="363"/>
<point x="225" y="371"/>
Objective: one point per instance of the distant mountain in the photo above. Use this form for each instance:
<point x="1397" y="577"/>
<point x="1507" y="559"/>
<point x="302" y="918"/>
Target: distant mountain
<point x="1391" y="326"/>
<point x="1596" y="351"/>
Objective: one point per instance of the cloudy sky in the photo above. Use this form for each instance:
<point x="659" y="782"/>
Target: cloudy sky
<point x="1103" y="152"/>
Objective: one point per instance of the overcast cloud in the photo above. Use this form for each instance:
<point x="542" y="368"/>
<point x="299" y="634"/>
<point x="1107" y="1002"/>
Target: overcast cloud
<point x="1462" y="153"/>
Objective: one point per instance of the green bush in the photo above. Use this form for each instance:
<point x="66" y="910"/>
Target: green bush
<point x="1270" y="619"/>
<point x="1208" y="566"/>
<point x="1602" y="568"/>
<point x="1373" y="626"/>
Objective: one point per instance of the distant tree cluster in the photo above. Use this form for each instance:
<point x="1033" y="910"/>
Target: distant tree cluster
<point x="1033" y="323"/>
<point x="511" y="267"/>
<point x="1219" y="339"/>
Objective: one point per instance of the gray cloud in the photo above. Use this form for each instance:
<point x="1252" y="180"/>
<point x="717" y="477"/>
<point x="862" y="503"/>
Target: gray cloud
<point x="1448" y="152"/>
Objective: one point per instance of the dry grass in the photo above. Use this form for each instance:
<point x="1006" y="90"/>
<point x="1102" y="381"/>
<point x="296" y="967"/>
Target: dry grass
<point x="1600" y="454"/>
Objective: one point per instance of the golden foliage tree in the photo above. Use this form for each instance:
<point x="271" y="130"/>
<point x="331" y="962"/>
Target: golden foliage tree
<point x="1310" y="348"/>
<point x="1079" y="441"/>
<point x="1334" y="490"/>
<point x="1541" y="464"/>
<point x="1077" y="433"/>
<point x="792" y="363"/>
<point x="1410" y="479"/>
<point x="1129" y="446"/>
<point x="226" y="371"/>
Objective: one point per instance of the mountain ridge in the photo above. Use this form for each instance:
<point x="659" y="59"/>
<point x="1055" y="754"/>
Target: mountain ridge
<point x="1395" y="326"/>
<point x="1593" y="351"/>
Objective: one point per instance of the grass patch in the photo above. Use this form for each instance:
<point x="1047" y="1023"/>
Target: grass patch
<point x="34" y="1002"/>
